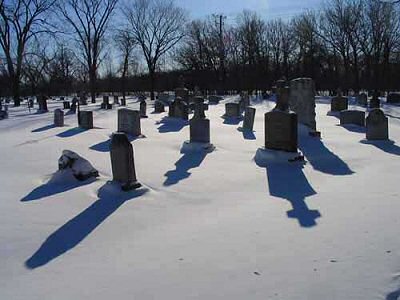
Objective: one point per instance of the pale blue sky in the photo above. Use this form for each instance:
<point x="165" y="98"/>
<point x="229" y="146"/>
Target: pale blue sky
<point x="268" y="9"/>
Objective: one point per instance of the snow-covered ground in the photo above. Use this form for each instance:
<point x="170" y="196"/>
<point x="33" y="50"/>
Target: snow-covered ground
<point x="204" y="225"/>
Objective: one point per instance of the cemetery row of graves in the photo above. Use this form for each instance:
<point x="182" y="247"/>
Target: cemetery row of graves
<point x="295" y="104"/>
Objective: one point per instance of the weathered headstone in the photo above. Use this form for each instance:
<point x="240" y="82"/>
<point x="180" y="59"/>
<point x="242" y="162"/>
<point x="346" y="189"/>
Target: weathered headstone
<point x="199" y="108"/>
<point x="74" y="106"/>
<point x="116" y="100"/>
<point x="181" y="91"/>
<point x="339" y="103"/>
<point x="232" y="110"/>
<point x="85" y="119"/>
<point x="129" y="122"/>
<point x="199" y="130"/>
<point x="106" y="103"/>
<point x="178" y="109"/>
<point x="302" y="101"/>
<point x="122" y="162"/>
<point x="377" y="125"/>
<point x="123" y="101"/>
<point x="159" y="106"/>
<point x="42" y="100"/>
<point x="143" y="109"/>
<point x="81" y="168"/>
<point x="393" y="98"/>
<point x="67" y="105"/>
<point x="58" y="118"/>
<point x="362" y="99"/>
<point x="249" y="115"/>
<point x="375" y="102"/>
<point x="355" y="117"/>
<point x="281" y="131"/>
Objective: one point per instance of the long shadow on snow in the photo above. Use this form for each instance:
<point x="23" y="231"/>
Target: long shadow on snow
<point x="60" y="182"/>
<point x="171" y="124"/>
<point x="287" y="181"/>
<point x="44" y="128"/>
<point x="393" y="295"/>
<point x="320" y="157"/>
<point x="189" y="160"/>
<point x="77" y="229"/>
<point x="354" y="128"/>
<point x="386" y="146"/>
<point x="232" y="120"/>
<point x="105" y="146"/>
<point x="71" y="132"/>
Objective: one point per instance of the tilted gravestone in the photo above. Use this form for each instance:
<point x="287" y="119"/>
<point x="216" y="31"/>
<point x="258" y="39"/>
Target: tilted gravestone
<point x="393" y="98"/>
<point x="339" y="103"/>
<point x="58" y="118"/>
<point x="199" y="125"/>
<point x="362" y="99"/>
<point x="143" y="109"/>
<point x="66" y="105"/>
<point x="355" y="117"/>
<point x="249" y="115"/>
<point x="232" y="110"/>
<point x="122" y="162"/>
<point x="302" y="101"/>
<point x="85" y="119"/>
<point x="377" y="125"/>
<point x="129" y="122"/>
<point x="159" y="106"/>
<point x="281" y="131"/>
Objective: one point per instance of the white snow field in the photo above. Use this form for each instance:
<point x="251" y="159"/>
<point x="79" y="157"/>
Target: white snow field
<point x="204" y="225"/>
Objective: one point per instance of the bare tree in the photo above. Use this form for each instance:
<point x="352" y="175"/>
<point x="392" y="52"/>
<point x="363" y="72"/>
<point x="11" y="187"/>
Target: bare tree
<point x="20" y="21"/>
<point x="157" y="26"/>
<point x="89" y="21"/>
<point x="125" y="44"/>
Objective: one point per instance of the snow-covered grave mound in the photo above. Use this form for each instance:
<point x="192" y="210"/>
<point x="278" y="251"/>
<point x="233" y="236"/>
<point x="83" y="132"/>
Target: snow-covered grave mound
<point x="208" y="222"/>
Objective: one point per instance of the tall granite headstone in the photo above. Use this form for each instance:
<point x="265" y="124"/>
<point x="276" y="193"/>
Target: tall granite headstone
<point x="302" y="101"/>
<point x="249" y="115"/>
<point x="143" y="109"/>
<point x="122" y="162"/>
<point x="58" y="118"/>
<point x="85" y="119"/>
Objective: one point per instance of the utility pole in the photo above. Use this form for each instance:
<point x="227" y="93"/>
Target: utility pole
<point x="219" y="21"/>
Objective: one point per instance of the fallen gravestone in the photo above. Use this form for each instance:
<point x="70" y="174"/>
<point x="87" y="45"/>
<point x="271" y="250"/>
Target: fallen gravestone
<point x="249" y="115"/>
<point x="355" y="117"/>
<point x="81" y="168"/>
<point x="122" y="162"/>
<point x="129" y="122"/>
<point x="377" y="125"/>
<point x="58" y="118"/>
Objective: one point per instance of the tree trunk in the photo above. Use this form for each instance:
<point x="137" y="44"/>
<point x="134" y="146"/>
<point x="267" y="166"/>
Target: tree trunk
<point x="92" y="85"/>
<point x="16" y="90"/>
<point x="152" y="83"/>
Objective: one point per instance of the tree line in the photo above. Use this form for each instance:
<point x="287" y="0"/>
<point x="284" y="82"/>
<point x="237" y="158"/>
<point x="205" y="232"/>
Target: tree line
<point x="58" y="47"/>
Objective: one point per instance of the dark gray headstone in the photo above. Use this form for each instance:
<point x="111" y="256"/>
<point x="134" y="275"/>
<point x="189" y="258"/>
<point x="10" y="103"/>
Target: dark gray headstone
<point x="393" y="98"/>
<point x="85" y="119"/>
<point x="199" y="108"/>
<point x="362" y="99"/>
<point x="339" y="103"/>
<point x="129" y="121"/>
<point x="67" y="105"/>
<point x="179" y="109"/>
<point x="116" y="100"/>
<point x="355" y="117"/>
<point x="106" y="103"/>
<point x="377" y="125"/>
<point x="199" y="130"/>
<point x="122" y="162"/>
<point x="281" y="131"/>
<point x="375" y="102"/>
<point x="58" y="118"/>
<point x="42" y="100"/>
<point x="159" y="106"/>
<point x="249" y="115"/>
<point x="302" y="101"/>
<point x="143" y="109"/>
<point x="232" y="110"/>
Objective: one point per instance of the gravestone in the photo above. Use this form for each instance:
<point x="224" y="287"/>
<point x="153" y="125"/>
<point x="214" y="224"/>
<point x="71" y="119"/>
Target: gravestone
<point x="116" y="100"/>
<point x="281" y="131"/>
<point x="199" y="108"/>
<point x="362" y="99"/>
<point x="159" y="106"/>
<point x="249" y="115"/>
<point x="58" y="118"/>
<point x="82" y="100"/>
<point x="339" y="103"/>
<point x="85" y="119"/>
<point x="122" y="162"/>
<point x="129" y="122"/>
<point x="62" y="98"/>
<point x="42" y="100"/>
<point x="143" y="109"/>
<point x="377" y="125"/>
<point x="181" y="91"/>
<point x="282" y="99"/>
<point x="106" y="103"/>
<point x="67" y="105"/>
<point x="232" y="110"/>
<point x="244" y="101"/>
<point x="375" y="102"/>
<point x="302" y="101"/>
<point x="74" y="106"/>
<point x="355" y="117"/>
<point x="179" y="109"/>
<point x="123" y="101"/>
<point x="393" y="98"/>
<point x="81" y="168"/>
<point x="163" y="97"/>
<point x="199" y="125"/>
